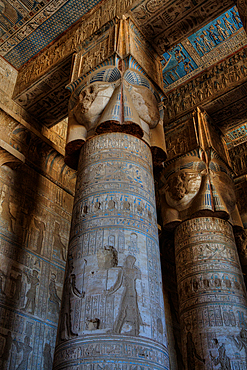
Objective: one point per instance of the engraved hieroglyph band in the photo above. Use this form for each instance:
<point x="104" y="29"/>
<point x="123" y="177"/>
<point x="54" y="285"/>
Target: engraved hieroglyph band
<point x="113" y="289"/>
<point x="212" y="295"/>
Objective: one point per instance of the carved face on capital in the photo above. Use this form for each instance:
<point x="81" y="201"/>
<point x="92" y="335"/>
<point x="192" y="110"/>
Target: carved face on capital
<point x="181" y="187"/>
<point x="145" y="104"/>
<point x="178" y="186"/>
<point x="87" y="97"/>
<point x="90" y="103"/>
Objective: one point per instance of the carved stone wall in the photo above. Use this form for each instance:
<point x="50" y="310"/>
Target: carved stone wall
<point x="8" y="76"/>
<point x="112" y="308"/>
<point x="36" y="197"/>
<point x="212" y="295"/>
<point x="34" y="225"/>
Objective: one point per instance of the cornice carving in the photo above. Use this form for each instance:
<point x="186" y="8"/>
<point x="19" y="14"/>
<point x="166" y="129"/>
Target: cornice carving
<point x="210" y="84"/>
<point x="100" y="18"/>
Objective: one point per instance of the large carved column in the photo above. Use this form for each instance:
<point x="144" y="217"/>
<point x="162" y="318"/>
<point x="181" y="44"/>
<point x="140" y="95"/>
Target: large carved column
<point x="199" y="202"/>
<point x="112" y="314"/>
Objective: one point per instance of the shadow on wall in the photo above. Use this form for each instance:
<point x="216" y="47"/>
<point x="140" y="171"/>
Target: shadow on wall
<point x="35" y="217"/>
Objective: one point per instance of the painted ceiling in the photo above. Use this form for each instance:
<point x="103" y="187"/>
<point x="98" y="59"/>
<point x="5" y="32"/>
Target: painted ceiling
<point x="190" y="35"/>
<point x="210" y="44"/>
<point x="27" y="26"/>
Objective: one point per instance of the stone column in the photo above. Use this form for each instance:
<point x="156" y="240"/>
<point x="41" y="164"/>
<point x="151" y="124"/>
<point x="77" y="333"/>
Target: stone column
<point x="112" y="304"/>
<point x="112" y="314"/>
<point x="212" y="295"/>
<point x="198" y="202"/>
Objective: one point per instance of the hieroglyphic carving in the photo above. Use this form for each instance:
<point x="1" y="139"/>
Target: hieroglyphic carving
<point x="192" y="21"/>
<point x="239" y="159"/>
<point x="145" y="55"/>
<point x="168" y="22"/>
<point x="207" y="262"/>
<point x="70" y="42"/>
<point x="242" y="9"/>
<point x="30" y="282"/>
<point x="113" y="248"/>
<point x="213" y="82"/>
<point x="125" y="350"/>
<point x="181" y="139"/>
<point x="94" y="54"/>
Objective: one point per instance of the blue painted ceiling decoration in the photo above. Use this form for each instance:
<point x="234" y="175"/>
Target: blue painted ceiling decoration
<point x="177" y="63"/>
<point x="236" y="136"/>
<point x="209" y="45"/>
<point x="27" y="26"/>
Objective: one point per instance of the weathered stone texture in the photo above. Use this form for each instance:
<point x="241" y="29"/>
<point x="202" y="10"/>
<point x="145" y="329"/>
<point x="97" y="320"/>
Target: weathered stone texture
<point x="112" y="303"/>
<point x="212" y="295"/>
<point x="8" y="76"/>
<point x="35" y="222"/>
<point x="35" y="212"/>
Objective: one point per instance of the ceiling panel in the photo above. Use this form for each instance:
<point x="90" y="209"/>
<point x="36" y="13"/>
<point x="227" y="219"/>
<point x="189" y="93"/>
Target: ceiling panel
<point x="212" y="43"/>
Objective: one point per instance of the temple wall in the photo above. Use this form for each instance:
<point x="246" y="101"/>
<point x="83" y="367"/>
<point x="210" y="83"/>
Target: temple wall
<point x="34" y="229"/>
<point x="36" y="198"/>
<point x="8" y="76"/>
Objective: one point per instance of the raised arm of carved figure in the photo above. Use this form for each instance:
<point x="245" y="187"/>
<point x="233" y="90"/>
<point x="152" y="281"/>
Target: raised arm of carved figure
<point x="75" y="290"/>
<point x="117" y="284"/>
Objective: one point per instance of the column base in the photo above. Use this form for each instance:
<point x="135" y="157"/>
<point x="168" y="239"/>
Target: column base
<point x="113" y="352"/>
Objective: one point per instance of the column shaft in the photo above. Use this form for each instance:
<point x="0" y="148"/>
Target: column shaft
<point x="112" y="313"/>
<point x="212" y="295"/>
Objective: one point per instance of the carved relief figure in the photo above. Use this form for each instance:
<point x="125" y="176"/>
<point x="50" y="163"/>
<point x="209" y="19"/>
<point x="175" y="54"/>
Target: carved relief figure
<point x="128" y="313"/>
<point x="47" y="357"/>
<point x="70" y="291"/>
<point x="26" y="350"/>
<point x="223" y="360"/>
<point x="6" y="214"/>
<point x="58" y="244"/>
<point x="54" y="300"/>
<point x="17" y="283"/>
<point x="240" y="341"/>
<point x="33" y="280"/>
<point x="3" y="277"/>
<point x="192" y="354"/>
<point x="37" y="228"/>
<point x="6" y="350"/>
